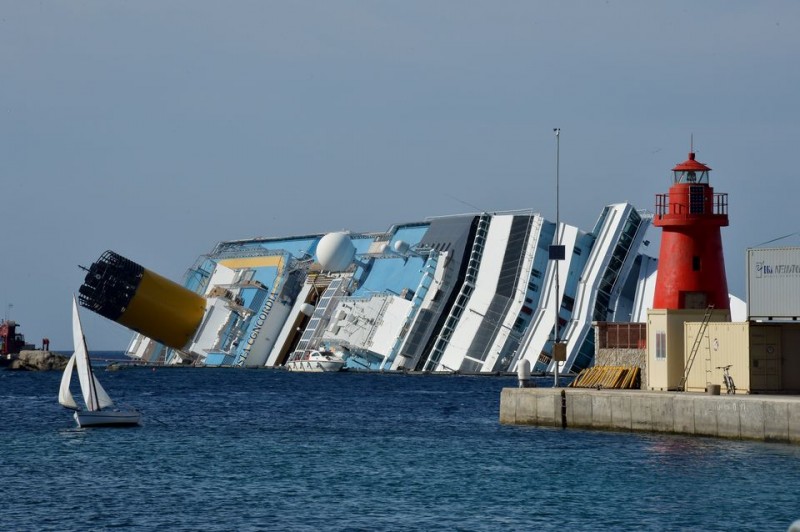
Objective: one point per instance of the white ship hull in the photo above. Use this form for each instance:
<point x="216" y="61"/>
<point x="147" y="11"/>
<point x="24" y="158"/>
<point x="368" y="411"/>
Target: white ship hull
<point x="471" y="293"/>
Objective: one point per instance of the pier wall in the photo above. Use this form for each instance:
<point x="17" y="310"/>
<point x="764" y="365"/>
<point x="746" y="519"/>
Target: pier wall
<point x="752" y="417"/>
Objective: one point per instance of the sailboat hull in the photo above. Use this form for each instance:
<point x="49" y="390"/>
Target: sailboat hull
<point x="107" y="418"/>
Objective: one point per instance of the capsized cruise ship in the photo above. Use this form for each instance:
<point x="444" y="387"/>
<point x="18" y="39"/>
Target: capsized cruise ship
<point x="470" y="293"/>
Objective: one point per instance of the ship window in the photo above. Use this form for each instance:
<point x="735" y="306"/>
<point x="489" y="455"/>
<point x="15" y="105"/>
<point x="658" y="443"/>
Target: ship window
<point x="696" y="263"/>
<point x="536" y="273"/>
<point x="576" y="250"/>
<point x="630" y="227"/>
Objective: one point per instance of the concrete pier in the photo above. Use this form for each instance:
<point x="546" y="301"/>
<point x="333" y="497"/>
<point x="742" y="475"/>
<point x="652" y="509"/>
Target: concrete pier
<point x="753" y="417"/>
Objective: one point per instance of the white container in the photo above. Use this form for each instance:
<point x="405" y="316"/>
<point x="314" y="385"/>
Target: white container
<point x="773" y="283"/>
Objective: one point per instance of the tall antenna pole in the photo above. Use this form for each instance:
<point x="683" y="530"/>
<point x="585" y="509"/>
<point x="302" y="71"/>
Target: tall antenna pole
<point x="558" y="240"/>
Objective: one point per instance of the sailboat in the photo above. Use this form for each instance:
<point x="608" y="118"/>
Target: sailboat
<point x="99" y="409"/>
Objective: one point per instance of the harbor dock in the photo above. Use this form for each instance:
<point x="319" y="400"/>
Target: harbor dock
<point x="772" y="418"/>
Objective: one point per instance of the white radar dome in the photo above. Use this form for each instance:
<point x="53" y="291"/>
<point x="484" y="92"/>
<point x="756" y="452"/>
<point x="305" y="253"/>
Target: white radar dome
<point x="401" y="246"/>
<point x="335" y="252"/>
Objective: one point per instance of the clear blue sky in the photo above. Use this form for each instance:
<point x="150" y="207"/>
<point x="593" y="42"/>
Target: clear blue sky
<point x="158" y="128"/>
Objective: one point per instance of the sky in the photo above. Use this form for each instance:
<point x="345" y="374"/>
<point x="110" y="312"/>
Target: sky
<point x="158" y="128"/>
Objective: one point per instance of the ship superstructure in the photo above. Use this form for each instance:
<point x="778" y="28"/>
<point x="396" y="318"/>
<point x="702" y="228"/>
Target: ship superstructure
<point x="461" y="293"/>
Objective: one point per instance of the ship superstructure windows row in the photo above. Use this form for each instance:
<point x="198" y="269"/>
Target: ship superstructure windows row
<point x="460" y="293"/>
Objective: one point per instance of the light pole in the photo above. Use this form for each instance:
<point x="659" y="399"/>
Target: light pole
<point x="557" y="254"/>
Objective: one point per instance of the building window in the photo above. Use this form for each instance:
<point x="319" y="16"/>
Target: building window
<point x="661" y="345"/>
<point x="696" y="263"/>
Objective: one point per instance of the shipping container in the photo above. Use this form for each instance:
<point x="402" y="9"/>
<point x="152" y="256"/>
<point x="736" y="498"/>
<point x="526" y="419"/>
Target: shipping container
<point x="790" y="357"/>
<point x="766" y="350"/>
<point x="719" y="345"/>
<point x="763" y="357"/>
<point x="773" y="283"/>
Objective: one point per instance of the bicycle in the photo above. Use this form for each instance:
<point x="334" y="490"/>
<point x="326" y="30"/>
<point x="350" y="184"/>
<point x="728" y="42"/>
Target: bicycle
<point x="727" y="379"/>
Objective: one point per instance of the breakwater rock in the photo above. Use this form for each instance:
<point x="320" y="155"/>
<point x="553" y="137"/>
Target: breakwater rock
<point x="38" y="361"/>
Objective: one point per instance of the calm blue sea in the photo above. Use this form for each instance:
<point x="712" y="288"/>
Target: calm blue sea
<point x="227" y="449"/>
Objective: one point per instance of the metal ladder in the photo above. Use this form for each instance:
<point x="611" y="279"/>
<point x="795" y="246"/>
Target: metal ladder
<point x="696" y="347"/>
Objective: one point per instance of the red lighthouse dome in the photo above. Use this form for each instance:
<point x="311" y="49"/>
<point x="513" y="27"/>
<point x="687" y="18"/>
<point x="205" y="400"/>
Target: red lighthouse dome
<point x="691" y="265"/>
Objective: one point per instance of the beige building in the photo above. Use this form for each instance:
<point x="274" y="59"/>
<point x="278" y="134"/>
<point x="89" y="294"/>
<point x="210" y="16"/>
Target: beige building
<point x="666" y="352"/>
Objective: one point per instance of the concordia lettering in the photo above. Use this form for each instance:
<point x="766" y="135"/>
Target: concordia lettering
<point x="262" y="317"/>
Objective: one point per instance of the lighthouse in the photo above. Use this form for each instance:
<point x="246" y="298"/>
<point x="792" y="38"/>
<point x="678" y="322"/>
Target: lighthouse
<point x="691" y="266"/>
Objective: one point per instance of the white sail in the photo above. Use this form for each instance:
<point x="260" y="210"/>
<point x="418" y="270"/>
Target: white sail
<point x="64" y="395"/>
<point x="102" y="397"/>
<point x="94" y="395"/>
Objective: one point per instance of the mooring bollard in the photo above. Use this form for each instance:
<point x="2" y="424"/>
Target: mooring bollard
<point x="524" y="373"/>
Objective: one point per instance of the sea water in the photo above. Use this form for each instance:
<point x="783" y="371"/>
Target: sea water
<point x="236" y="449"/>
